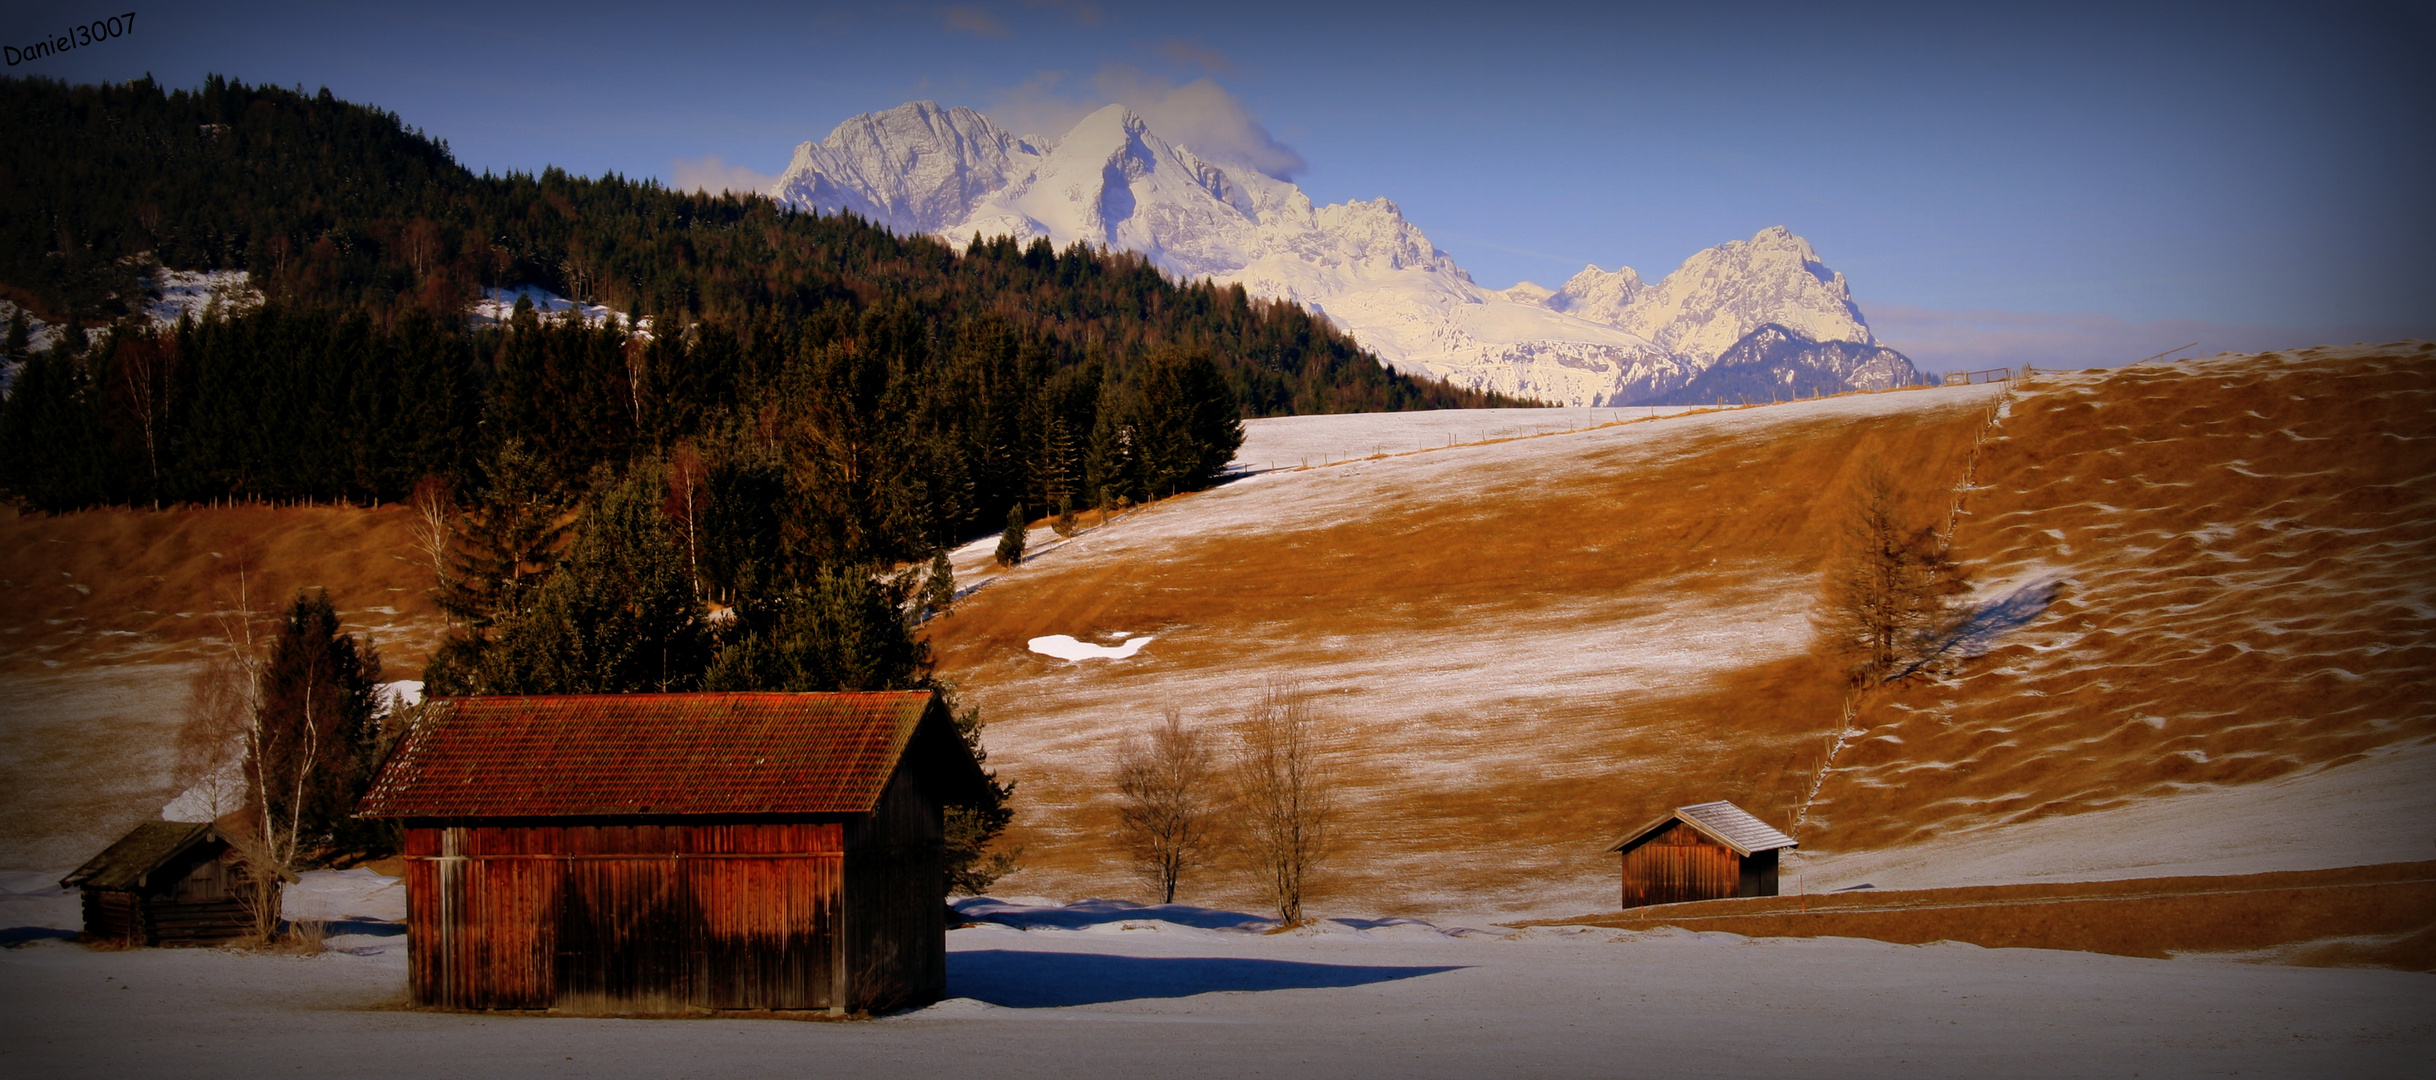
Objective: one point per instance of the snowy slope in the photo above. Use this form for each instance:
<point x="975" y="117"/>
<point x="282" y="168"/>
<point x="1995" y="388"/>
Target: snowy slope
<point x="1603" y="339"/>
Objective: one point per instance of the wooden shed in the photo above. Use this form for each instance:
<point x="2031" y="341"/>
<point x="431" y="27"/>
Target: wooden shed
<point x="667" y="853"/>
<point x="1706" y="852"/>
<point x="166" y="883"/>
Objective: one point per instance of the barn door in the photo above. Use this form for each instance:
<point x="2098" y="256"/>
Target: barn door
<point x="767" y="925"/>
<point x="625" y="936"/>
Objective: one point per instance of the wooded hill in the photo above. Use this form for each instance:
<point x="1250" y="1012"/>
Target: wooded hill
<point x="911" y="393"/>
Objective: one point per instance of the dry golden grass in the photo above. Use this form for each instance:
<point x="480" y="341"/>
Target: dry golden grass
<point x="2246" y="549"/>
<point x="109" y="587"/>
<point x="1528" y="647"/>
<point x="2367" y="916"/>
<point x="103" y="616"/>
<point x="1523" y="647"/>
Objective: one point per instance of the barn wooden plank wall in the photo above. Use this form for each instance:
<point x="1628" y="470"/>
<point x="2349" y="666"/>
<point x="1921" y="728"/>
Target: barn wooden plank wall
<point x="627" y="917"/>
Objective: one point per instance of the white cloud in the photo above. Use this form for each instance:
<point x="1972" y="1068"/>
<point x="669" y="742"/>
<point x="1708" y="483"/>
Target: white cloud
<point x="1039" y="106"/>
<point x="1940" y="340"/>
<point x="714" y="175"/>
<point x="1199" y="115"/>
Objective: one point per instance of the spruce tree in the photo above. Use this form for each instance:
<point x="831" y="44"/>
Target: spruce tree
<point x="316" y="739"/>
<point x="1010" y="542"/>
<point x="619" y="615"/>
<point x="498" y="554"/>
<point x="971" y="830"/>
<point x="844" y="630"/>
<point x="938" y="585"/>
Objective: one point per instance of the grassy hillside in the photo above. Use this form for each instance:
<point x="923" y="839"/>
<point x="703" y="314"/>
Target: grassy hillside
<point x="2244" y="555"/>
<point x="1526" y="647"/>
<point x="2219" y="572"/>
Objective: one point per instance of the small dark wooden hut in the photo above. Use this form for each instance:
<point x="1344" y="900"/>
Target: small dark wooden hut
<point x="1706" y="852"/>
<point x="662" y="853"/>
<point x="166" y="883"/>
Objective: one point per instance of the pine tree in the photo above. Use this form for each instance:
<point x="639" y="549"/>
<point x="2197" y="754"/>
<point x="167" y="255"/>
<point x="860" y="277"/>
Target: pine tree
<point x="619" y="614"/>
<point x="971" y="830"/>
<point x="938" y="586"/>
<point x="1010" y="542"/>
<point x="316" y="740"/>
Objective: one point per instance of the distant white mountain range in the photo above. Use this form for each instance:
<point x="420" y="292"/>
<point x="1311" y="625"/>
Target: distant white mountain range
<point x="1758" y="319"/>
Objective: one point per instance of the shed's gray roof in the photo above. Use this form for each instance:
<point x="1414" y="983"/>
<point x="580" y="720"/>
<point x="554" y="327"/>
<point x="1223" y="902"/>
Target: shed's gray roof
<point x="1734" y="827"/>
<point x="1721" y="821"/>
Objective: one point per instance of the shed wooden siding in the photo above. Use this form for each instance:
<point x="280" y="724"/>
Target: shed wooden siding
<point x="1677" y="864"/>
<point x="626" y="917"/>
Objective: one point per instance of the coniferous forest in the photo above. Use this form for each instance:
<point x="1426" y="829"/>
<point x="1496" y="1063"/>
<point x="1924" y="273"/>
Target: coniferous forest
<point x="786" y="407"/>
<point x="911" y="394"/>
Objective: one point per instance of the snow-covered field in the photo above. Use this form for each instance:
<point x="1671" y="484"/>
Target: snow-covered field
<point x="1125" y="992"/>
<point x="1291" y="442"/>
<point x="2379" y="810"/>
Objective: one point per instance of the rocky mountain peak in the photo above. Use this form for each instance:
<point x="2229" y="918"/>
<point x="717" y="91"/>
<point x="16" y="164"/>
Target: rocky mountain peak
<point x="1603" y="338"/>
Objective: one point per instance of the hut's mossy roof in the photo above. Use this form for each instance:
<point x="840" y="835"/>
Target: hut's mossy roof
<point x="123" y="865"/>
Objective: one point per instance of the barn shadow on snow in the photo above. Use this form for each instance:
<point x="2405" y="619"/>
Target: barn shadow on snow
<point x="1046" y="980"/>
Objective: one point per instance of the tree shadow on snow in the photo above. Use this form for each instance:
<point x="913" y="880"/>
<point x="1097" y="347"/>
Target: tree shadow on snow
<point x="1083" y="914"/>
<point x="1979" y="633"/>
<point x="1047" y="980"/>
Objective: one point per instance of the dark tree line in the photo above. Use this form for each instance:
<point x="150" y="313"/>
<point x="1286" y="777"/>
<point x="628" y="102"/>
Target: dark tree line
<point x="816" y="402"/>
<point x="965" y="383"/>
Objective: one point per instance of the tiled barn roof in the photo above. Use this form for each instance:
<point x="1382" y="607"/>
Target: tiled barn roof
<point x="1721" y="821"/>
<point x="721" y="753"/>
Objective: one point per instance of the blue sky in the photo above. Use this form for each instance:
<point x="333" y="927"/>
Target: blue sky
<point x="2085" y="184"/>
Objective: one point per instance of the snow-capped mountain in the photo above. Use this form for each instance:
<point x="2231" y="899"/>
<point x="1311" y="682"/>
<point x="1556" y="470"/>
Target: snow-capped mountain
<point x="1604" y="338"/>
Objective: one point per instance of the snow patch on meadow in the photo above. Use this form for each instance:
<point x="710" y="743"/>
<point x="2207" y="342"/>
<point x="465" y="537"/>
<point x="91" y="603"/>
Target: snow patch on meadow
<point x="1065" y="647"/>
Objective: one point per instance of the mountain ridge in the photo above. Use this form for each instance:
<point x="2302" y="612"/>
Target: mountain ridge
<point x="1603" y="338"/>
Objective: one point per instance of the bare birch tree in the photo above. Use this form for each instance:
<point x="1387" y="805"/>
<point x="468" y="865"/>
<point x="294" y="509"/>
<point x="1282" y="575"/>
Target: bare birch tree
<point x="1167" y="802"/>
<point x="1284" y="792"/>
<point x="210" y="747"/>
<point x="1890" y="599"/>
<point x="434" y="511"/>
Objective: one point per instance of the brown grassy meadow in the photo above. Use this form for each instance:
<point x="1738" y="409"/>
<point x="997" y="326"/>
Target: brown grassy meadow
<point x="1522" y="647"/>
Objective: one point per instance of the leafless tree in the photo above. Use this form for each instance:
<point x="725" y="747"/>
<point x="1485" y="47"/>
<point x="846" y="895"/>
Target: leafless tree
<point x="1891" y="597"/>
<point x="1167" y="802"/>
<point x="144" y="382"/>
<point x="225" y="703"/>
<point x="210" y="747"/>
<point x="688" y="496"/>
<point x="434" y="509"/>
<point x="1285" y="795"/>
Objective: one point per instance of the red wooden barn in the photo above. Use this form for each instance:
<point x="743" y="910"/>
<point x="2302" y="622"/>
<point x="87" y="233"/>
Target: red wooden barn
<point x="1705" y="852"/>
<point x="658" y="853"/>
